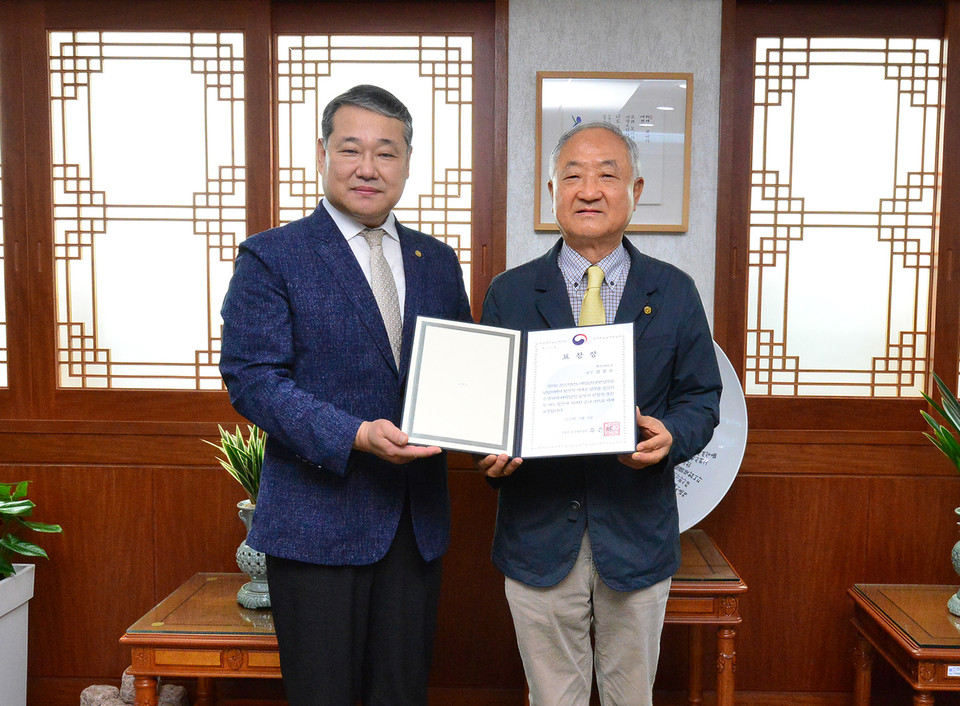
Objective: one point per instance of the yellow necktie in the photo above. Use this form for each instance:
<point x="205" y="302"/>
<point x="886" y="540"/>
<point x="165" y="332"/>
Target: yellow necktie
<point x="591" y="311"/>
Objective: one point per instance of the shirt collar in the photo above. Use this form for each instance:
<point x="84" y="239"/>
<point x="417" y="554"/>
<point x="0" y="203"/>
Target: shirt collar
<point x="351" y="228"/>
<point x="574" y="265"/>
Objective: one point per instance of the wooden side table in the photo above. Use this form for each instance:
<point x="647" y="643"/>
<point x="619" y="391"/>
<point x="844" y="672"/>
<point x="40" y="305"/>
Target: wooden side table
<point x="200" y="631"/>
<point x="706" y="591"/>
<point x="910" y="627"/>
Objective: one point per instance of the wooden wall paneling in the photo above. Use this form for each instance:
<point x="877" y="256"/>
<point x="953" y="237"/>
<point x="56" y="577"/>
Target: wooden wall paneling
<point x="197" y="526"/>
<point x="798" y="544"/>
<point x="475" y="644"/>
<point x="804" y="453"/>
<point x="100" y="573"/>
<point x="101" y="443"/>
<point x="912" y="529"/>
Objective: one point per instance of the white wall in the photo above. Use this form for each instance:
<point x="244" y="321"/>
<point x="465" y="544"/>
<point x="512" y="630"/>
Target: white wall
<point x="617" y="35"/>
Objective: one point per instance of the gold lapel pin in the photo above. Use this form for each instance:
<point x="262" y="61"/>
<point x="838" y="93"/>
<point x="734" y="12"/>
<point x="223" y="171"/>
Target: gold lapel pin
<point x="418" y="253"/>
<point x="647" y="310"/>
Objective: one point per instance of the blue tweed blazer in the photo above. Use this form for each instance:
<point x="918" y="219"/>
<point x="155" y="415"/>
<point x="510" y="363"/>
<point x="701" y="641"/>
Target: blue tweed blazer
<point x="306" y="357"/>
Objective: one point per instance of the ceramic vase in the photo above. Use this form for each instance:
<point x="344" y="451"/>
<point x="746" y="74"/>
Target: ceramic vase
<point x="953" y="604"/>
<point x="254" y="593"/>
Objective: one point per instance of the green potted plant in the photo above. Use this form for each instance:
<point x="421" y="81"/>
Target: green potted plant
<point x="243" y="459"/>
<point x="946" y="437"/>
<point x="16" y="587"/>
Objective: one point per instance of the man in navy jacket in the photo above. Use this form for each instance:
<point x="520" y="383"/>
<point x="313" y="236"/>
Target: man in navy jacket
<point x="352" y="519"/>
<point x="592" y="541"/>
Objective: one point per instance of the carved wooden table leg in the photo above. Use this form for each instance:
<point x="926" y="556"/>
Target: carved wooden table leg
<point x="145" y="691"/>
<point x="726" y="664"/>
<point x="923" y="698"/>
<point x="695" y="677"/>
<point x="862" y="671"/>
<point x="205" y="692"/>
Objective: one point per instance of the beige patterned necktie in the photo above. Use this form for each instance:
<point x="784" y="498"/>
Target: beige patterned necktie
<point x="591" y="311"/>
<point x="384" y="289"/>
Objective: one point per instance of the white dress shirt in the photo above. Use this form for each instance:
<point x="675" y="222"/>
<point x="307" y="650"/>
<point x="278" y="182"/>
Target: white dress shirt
<point x="351" y="230"/>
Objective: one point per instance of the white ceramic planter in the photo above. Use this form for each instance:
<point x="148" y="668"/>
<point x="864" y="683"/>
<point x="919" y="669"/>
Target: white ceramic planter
<point x="15" y="592"/>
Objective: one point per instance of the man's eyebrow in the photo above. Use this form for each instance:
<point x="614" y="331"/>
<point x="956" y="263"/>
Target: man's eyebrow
<point x="604" y="163"/>
<point x="356" y="140"/>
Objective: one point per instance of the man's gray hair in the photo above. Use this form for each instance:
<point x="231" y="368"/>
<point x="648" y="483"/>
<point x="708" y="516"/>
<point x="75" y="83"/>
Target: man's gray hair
<point x="628" y="142"/>
<point x="371" y="98"/>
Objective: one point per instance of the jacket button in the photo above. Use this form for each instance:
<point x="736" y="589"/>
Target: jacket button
<point x="575" y="505"/>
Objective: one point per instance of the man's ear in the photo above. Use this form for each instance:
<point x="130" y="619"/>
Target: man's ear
<point x="321" y="156"/>
<point x="550" y="190"/>
<point x="637" y="190"/>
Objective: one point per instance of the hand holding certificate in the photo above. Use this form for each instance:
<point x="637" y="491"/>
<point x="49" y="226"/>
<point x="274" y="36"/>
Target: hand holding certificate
<point x="489" y="390"/>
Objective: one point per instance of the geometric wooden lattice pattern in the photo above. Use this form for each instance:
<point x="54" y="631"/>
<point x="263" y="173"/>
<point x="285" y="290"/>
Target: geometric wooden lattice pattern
<point x="432" y="75"/>
<point x="843" y="215"/>
<point x="149" y="203"/>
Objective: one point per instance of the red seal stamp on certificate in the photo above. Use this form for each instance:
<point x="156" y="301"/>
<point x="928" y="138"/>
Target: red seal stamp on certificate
<point x="611" y="428"/>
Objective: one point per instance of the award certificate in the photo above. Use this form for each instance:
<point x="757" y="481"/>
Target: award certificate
<point x="491" y="390"/>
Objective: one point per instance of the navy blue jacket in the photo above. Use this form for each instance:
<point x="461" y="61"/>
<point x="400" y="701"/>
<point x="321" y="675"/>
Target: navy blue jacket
<point x="306" y="357"/>
<point x="547" y="503"/>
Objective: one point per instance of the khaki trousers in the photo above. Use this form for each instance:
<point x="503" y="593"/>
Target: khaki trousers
<point x="553" y="628"/>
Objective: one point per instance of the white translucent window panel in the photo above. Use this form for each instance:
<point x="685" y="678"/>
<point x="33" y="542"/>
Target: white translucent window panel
<point x="431" y="75"/>
<point x="149" y="203"/>
<point x="842" y="215"/>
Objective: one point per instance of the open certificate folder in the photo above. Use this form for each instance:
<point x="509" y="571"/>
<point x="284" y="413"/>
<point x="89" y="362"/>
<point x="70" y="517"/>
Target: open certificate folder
<point x="488" y="390"/>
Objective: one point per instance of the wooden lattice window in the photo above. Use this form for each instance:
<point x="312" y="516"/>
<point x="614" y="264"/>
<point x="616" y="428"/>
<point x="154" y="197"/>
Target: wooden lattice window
<point x="431" y="74"/>
<point x="149" y="203"/>
<point x="844" y="199"/>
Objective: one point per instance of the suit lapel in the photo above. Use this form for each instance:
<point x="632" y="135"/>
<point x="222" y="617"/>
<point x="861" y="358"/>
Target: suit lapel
<point x="552" y="300"/>
<point x="641" y="300"/>
<point x="345" y="274"/>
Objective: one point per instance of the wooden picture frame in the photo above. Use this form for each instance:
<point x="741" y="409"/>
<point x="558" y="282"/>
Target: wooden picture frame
<point x="655" y="109"/>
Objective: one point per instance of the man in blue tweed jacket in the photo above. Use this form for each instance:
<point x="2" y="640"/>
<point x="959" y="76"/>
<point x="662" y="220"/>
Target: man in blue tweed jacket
<point x="352" y="519"/>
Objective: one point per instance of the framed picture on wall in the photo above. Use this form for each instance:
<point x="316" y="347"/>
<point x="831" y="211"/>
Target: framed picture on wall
<point x="654" y="109"/>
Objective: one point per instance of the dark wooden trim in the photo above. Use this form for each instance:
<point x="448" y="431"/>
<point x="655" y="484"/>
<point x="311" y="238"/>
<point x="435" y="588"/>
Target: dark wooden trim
<point x="260" y="145"/>
<point x="17" y="394"/>
<point x="733" y="189"/>
<point x="864" y="18"/>
<point x="946" y="340"/>
<point x="180" y="15"/>
<point x="39" y="208"/>
<point x="494" y="258"/>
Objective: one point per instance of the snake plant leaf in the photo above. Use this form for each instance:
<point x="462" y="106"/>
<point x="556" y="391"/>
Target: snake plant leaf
<point x="20" y="546"/>
<point x="951" y="406"/>
<point x="243" y="457"/>
<point x="41" y="526"/>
